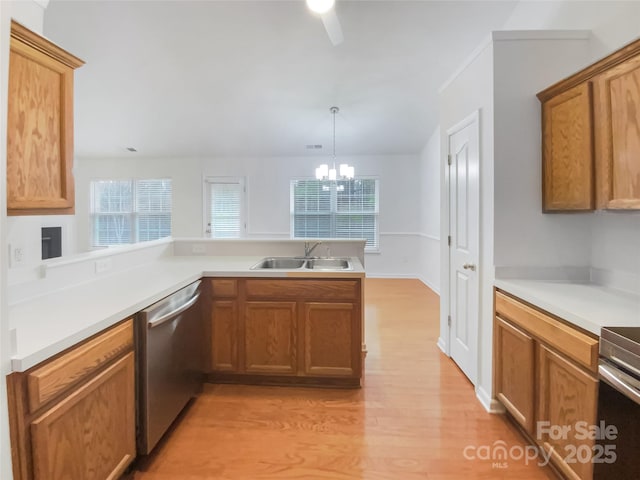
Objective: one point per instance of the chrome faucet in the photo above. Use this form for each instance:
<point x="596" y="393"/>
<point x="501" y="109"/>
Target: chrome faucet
<point x="308" y="249"/>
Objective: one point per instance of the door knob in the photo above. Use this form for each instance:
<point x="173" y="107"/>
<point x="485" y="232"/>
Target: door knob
<point x="469" y="266"/>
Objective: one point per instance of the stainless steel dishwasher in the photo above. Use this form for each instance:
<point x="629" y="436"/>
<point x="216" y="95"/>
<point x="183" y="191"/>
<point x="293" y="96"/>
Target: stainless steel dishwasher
<point x="169" y="337"/>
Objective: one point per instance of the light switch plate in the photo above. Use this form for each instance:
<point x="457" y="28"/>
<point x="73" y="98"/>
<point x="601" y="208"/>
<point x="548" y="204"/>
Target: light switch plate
<point x="16" y="255"/>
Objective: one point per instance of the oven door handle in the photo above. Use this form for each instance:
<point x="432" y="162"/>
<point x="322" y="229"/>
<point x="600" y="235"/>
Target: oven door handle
<point x="608" y="375"/>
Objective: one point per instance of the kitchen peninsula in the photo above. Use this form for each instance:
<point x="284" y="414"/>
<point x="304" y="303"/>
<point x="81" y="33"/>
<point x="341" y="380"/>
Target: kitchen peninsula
<point x="74" y="346"/>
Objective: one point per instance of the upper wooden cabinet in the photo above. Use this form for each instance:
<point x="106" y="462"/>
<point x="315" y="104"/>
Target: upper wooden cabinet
<point x="618" y="135"/>
<point x="591" y="136"/>
<point x="567" y="156"/>
<point x="39" y="126"/>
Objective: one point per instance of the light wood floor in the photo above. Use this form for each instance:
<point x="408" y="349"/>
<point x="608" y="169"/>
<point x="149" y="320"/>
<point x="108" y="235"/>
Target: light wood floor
<point x="412" y="420"/>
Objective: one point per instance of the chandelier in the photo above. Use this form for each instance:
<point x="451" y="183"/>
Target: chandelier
<point x="345" y="172"/>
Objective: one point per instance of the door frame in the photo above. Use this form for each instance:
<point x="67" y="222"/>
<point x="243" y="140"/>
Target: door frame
<point x="444" y="341"/>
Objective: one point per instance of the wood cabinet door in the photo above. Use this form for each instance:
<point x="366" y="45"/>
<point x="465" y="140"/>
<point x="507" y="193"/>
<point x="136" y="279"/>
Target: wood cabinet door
<point x="617" y="108"/>
<point x="89" y="435"/>
<point x="270" y="332"/>
<point x="39" y="126"/>
<point x="514" y="371"/>
<point x="567" y="151"/>
<point x="224" y="333"/>
<point x="331" y="339"/>
<point x="567" y="395"/>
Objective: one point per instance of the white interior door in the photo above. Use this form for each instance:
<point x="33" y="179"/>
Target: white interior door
<point x="464" y="216"/>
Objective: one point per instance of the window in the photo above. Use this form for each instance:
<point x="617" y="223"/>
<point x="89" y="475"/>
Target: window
<point x="129" y="211"/>
<point x="225" y="207"/>
<point x="342" y="209"/>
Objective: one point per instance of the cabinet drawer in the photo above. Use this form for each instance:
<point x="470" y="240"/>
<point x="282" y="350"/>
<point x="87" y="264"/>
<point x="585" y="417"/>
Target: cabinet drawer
<point x="44" y="383"/>
<point x="224" y="287"/>
<point x="578" y="346"/>
<point x="303" y="289"/>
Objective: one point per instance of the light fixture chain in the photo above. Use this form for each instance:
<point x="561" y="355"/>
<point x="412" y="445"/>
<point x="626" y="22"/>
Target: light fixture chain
<point x="334" y="110"/>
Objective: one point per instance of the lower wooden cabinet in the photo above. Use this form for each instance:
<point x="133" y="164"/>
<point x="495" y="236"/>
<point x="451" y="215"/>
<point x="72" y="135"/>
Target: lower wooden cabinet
<point x="224" y="335"/>
<point x="270" y="339"/>
<point x="73" y="417"/>
<point x="515" y="372"/>
<point x="567" y="396"/>
<point x="329" y="335"/>
<point x="286" y="331"/>
<point x="545" y="374"/>
<point x="91" y="433"/>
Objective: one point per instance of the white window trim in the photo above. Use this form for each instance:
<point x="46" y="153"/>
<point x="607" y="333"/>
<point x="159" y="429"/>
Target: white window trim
<point x="375" y="250"/>
<point x="206" y="193"/>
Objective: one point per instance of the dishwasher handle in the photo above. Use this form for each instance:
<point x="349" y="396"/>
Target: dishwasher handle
<point x="168" y="316"/>
<point x="608" y="374"/>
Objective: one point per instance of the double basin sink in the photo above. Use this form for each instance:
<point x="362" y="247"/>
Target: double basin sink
<point x="302" y="263"/>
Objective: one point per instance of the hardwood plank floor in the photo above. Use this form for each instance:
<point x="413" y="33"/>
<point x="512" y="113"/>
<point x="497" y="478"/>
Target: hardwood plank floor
<point x="412" y="419"/>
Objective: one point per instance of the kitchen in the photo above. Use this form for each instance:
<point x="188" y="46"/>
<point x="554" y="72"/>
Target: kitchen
<point x="551" y="241"/>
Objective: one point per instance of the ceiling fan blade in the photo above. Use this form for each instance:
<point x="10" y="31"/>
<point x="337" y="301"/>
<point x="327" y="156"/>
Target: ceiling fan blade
<point x="332" y="26"/>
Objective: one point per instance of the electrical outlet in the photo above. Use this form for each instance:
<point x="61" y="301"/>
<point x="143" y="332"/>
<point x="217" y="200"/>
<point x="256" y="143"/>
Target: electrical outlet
<point x="16" y="256"/>
<point x="103" y="265"/>
<point x="198" y="248"/>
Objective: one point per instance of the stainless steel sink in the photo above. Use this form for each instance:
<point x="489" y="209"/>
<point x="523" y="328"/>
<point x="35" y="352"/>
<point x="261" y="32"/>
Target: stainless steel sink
<point x="328" y="264"/>
<point x="295" y="263"/>
<point x="279" y="262"/>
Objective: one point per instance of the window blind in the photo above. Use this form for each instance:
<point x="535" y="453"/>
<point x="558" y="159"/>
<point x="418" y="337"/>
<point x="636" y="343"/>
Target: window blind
<point x="343" y="209"/>
<point x="153" y="202"/>
<point x="225" y="209"/>
<point x="112" y="211"/>
<point x="128" y="211"/>
<point x="357" y="211"/>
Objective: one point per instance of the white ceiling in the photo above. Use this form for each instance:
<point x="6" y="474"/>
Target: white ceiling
<point x="257" y="78"/>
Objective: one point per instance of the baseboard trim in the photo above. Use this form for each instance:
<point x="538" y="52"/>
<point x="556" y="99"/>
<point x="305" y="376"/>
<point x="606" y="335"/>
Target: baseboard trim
<point x="442" y="346"/>
<point x="429" y="284"/>
<point x="491" y="405"/>
<point x="393" y="275"/>
<point x="413" y="276"/>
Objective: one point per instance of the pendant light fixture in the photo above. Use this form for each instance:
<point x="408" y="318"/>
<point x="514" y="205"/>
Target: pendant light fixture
<point x="323" y="172"/>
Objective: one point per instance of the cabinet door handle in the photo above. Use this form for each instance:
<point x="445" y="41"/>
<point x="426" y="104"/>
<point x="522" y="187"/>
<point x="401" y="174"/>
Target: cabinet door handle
<point x="469" y="266"/>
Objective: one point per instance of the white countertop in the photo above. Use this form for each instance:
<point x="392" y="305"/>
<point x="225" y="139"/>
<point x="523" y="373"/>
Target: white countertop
<point x="587" y="306"/>
<point x="47" y="325"/>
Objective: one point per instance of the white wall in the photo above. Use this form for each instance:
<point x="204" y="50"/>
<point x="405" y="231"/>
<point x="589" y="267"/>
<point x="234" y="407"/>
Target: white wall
<point x="595" y="240"/>
<point x="613" y="23"/>
<point x="31" y="15"/>
<point x="615" y="250"/>
<point x="430" y="162"/>
<point x="268" y="197"/>
<point x="467" y="92"/>
<point x="524" y="236"/>
<point x="24" y="232"/>
<point x="614" y="236"/>
<point x="5" y="362"/>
